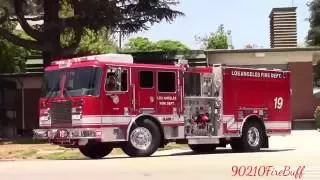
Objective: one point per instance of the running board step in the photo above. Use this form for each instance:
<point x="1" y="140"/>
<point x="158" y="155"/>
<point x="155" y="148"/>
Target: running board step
<point x="203" y="140"/>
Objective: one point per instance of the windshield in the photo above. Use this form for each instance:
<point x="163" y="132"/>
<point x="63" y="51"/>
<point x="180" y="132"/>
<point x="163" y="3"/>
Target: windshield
<point x="83" y="81"/>
<point x="51" y="84"/>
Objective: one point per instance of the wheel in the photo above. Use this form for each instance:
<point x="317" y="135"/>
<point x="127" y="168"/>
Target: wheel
<point x="95" y="150"/>
<point x="252" y="137"/>
<point x="203" y="148"/>
<point x="144" y="139"/>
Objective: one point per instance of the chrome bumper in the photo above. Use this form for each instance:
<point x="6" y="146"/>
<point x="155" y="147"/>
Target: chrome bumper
<point x="67" y="133"/>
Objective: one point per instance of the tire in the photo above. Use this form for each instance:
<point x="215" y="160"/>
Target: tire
<point x="95" y="150"/>
<point x="203" y="148"/>
<point x="150" y="131"/>
<point x="256" y="143"/>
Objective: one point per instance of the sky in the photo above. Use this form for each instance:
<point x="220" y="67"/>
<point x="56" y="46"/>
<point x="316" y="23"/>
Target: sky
<point x="248" y="21"/>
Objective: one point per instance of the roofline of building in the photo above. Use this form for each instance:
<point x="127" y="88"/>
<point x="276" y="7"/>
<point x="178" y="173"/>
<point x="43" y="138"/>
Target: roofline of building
<point x="194" y="51"/>
<point x="281" y="9"/>
<point x="218" y="51"/>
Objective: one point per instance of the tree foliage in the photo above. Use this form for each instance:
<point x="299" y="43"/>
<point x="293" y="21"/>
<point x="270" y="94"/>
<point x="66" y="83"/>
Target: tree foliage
<point x="12" y="57"/>
<point x="142" y="44"/>
<point x="313" y="37"/>
<point x="170" y="45"/>
<point x="76" y="18"/>
<point x="251" y="46"/>
<point x="92" y="42"/>
<point x="316" y="80"/>
<point x="139" y="44"/>
<point x="216" y="40"/>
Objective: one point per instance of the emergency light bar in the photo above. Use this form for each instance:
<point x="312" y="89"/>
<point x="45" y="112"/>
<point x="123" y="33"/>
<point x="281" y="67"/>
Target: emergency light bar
<point x="123" y="58"/>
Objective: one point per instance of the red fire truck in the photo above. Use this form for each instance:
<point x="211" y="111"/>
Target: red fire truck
<point x="100" y="102"/>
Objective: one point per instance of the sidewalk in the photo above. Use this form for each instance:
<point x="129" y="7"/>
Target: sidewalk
<point x="301" y="140"/>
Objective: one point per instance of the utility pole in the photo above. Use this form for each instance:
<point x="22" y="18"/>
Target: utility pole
<point x="229" y="39"/>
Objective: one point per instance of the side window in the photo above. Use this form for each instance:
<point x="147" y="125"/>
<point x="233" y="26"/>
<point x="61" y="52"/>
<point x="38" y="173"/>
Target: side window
<point x="166" y="81"/>
<point x="146" y="79"/>
<point x="117" y="79"/>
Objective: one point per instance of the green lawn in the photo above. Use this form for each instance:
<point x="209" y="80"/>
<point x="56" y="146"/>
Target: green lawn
<point x="25" y="150"/>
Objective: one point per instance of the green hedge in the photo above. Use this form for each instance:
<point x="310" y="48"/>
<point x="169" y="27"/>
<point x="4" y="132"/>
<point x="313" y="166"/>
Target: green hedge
<point x="317" y="116"/>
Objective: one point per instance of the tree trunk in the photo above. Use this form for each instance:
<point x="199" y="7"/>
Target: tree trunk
<point x="51" y="30"/>
<point x="46" y="56"/>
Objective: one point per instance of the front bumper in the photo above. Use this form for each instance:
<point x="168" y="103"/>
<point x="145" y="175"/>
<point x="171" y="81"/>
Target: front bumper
<point x="67" y="133"/>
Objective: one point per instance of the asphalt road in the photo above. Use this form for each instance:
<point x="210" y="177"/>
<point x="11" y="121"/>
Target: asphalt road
<point x="294" y="157"/>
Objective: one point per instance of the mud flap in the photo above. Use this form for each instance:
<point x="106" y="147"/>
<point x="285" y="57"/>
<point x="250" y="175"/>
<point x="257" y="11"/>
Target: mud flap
<point x="266" y="142"/>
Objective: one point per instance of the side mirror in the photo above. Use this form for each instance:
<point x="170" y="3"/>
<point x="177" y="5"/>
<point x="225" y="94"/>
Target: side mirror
<point x="109" y="94"/>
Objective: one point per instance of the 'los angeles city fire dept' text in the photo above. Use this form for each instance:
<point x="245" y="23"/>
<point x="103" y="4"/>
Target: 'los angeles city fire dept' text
<point x="257" y="74"/>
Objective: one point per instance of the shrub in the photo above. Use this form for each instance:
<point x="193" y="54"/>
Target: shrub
<point x="317" y="117"/>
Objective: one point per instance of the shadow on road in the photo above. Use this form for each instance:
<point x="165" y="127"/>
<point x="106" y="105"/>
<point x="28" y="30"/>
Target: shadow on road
<point x="218" y="151"/>
<point x="188" y="153"/>
<point x="225" y="151"/>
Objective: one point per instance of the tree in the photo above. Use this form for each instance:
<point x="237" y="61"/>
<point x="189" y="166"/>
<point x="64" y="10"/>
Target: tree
<point x="92" y="42"/>
<point x="251" y="46"/>
<point x="316" y="74"/>
<point x="116" y="15"/>
<point x="216" y="40"/>
<point x="313" y="37"/>
<point x="143" y="44"/>
<point x="170" y="45"/>
<point x="139" y="44"/>
<point x="12" y="57"/>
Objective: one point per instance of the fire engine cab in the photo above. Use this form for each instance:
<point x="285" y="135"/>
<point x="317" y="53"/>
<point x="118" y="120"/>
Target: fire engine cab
<point x="100" y="102"/>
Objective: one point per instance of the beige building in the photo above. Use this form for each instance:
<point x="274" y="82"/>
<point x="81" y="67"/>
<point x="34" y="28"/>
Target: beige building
<point x="283" y="27"/>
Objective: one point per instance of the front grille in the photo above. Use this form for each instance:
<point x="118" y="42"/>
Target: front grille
<point x="61" y="114"/>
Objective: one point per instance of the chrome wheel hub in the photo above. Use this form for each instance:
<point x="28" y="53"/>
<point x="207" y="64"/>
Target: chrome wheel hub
<point x="141" y="138"/>
<point x="253" y="136"/>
